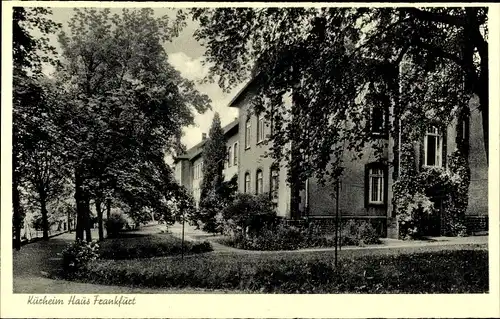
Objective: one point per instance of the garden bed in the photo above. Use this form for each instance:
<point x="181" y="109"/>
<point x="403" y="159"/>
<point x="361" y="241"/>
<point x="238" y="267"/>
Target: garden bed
<point x="455" y="271"/>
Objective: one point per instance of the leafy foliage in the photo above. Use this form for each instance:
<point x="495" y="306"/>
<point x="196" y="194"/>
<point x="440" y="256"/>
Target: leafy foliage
<point x="156" y="245"/>
<point x="125" y="108"/>
<point x="78" y="255"/>
<point x="248" y="214"/>
<point x="335" y="64"/>
<point x="115" y="224"/>
<point x="461" y="271"/>
<point x="33" y="156"/>
<point x="212" y="200"/>
<point x="414" y="191"/>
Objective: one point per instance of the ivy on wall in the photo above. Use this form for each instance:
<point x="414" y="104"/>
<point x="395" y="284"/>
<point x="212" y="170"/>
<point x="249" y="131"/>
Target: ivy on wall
<point x="416" y="192"/>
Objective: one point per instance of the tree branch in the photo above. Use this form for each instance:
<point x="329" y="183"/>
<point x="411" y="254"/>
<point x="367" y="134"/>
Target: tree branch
<point x="430" y="16"/>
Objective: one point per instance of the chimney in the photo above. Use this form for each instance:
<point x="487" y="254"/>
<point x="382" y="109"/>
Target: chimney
<point x="203" y="136"/>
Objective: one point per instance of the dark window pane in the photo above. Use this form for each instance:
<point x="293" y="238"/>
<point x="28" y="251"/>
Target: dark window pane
<point x="431" y="150"/>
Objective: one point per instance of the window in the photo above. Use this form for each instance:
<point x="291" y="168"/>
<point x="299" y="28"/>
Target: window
<point x="229" y="156"/>
<point x="198" y="170"/>
<point x="259" y="187"/>
<point x="433" y="147"/>
<point x="247" y="183"/>
<point x="260" y="128"/>
<point x="248" y="127"/>
<point x="378" y="120"/>
<point x="274" y="183"/>
<point x="235" y="153"/>
<point x="375" y="186"/>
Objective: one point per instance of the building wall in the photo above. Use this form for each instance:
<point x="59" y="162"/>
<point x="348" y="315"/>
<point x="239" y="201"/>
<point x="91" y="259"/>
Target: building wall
<point x="253" y="158"/>
<point x="352" y="192"/>
<point x="196" y="177"/>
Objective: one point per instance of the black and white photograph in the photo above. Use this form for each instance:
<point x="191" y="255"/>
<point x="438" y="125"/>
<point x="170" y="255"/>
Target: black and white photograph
<point x="259" y="149"/>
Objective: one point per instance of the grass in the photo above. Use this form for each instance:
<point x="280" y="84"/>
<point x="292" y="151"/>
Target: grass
<point x="451" y="271"/>
<point x="136" y="245"/>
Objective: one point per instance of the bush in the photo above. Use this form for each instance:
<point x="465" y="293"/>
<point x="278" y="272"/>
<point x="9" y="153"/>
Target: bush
<point x="115" y="224"/>
<point x="150" y="246"/>
<point x="249" y="214"/>
<point x="428" y="272"/>
<point x="359" y="233"/>
<point x="78" y="254"/>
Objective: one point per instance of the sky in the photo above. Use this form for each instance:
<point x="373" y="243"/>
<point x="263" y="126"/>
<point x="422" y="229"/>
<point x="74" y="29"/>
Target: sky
<point x="186" y="55"/>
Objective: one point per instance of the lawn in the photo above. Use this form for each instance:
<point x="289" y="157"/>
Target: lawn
<point x="434" y="271"/>
<point x="132" y="245"/>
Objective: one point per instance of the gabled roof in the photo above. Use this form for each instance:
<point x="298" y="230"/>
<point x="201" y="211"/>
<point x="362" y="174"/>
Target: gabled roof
<point x="195" y="151"/>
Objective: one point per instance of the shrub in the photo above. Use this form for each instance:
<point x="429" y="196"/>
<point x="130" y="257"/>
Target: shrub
<point x="115" y="224"/>
<point x="362" y="272"/>
<point x="150" y="246"/>
<point x="78" y="254"/>
<point x="359" y="233"/>
<point x="249" y="214"/>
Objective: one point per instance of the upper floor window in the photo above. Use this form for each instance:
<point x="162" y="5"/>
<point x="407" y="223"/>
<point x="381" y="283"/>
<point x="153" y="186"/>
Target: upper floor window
<point x="248" y="127"/>
<point x="198" y="170"/>
<point x="230" y="156"/>
<point x="247" y="183"/>
<point x="260" y="186"/>
<point x="260" y="127"/>
<point x="375" y="185"/>
<point x="433" y="146"/>
<point x="377" y="120"/>
<point x="235" y="153"/>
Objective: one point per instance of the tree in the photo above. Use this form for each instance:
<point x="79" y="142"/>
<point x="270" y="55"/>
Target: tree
<point x="28" y="55"/>
<point x="214" y="156"/>
<point x="336" y="64"/>
<point x="44" y="167"/>
<point x="127" y="105"/>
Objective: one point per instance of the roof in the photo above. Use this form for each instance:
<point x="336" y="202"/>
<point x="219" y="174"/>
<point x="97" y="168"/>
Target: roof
<point x="196" y="150"/>
<point x="253" y="76"/>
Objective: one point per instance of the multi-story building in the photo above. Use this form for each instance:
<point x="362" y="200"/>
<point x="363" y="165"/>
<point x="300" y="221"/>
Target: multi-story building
<point x="189" y="166"/>
<point x="366" y="185"/>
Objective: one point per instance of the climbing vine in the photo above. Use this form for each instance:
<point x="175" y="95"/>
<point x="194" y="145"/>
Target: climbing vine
<point x="416" y="192"/>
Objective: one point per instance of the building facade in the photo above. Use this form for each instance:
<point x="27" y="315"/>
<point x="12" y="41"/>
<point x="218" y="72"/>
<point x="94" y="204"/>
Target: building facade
<point x="365" y="190"/>
<point x="189" y="166"/>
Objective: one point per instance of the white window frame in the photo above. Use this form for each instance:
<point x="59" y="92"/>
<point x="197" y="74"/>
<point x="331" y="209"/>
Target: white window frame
<point x="380" y="178"/>
<point x="260" y="127"/>
<point x="438" y="160"/>
<point x="235" y="153"/>
<point x="247" y="184"/>
<point x="248" y="130"/>
<point x="259" y="180"/>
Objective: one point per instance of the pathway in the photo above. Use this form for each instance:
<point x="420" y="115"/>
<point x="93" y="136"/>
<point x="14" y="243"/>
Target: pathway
<point x="433" y="243"/>
<point x="34" y="261"/>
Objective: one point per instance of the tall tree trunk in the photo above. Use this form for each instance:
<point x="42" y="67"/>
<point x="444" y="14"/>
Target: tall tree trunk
<point x="87" y="220"/>
<point x="99" y="209"/>
<point x="80" y="203"/>
<point x="69" y="221"/>
<point x="45" y="217"/>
